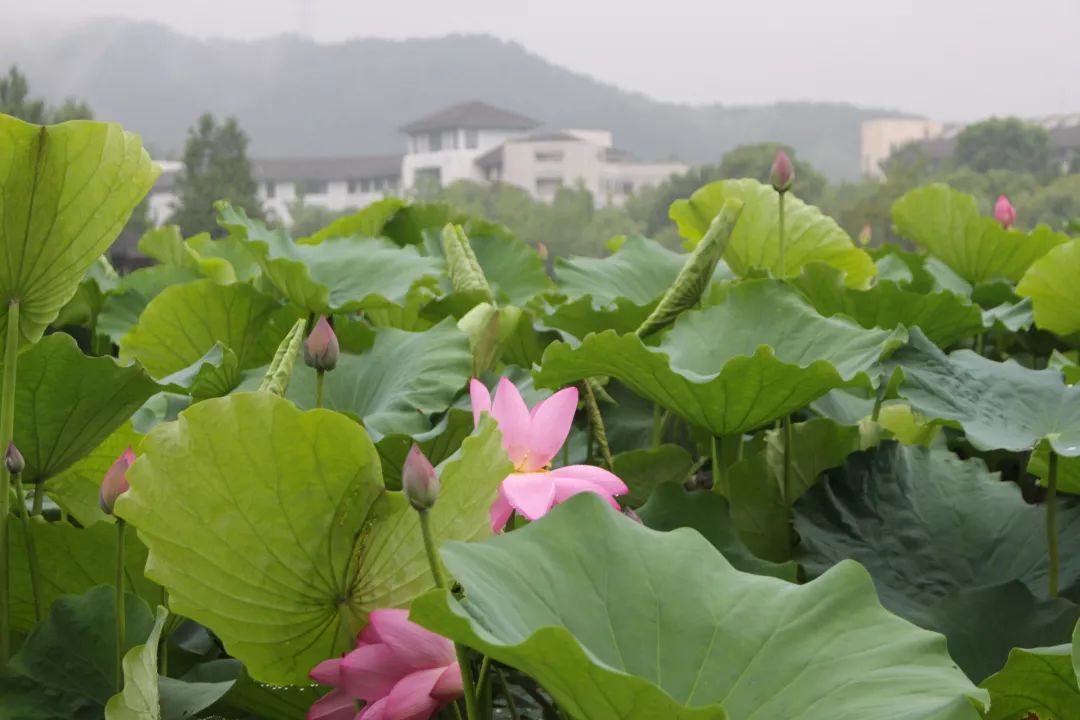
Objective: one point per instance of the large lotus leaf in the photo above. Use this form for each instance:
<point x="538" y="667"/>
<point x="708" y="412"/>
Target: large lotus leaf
<point x="73" y="650"/>
<point x="735" y="366"/>
<point x="617" y="292"/>
<point x="947" y="223"/>
<point x="183" y="323"/>
<point x="1001" y="406"/>
<point x="809" y="235"/>
<point x="72" y="560"/>
<point x="1051" y="284"/>
<point x="285" y="515"/>
<point x="1068" y="471"/>
<point x="167" y="246"/>
<point x="929" y="527"/>
<point x="643" y="624"/>
<point x="645" y="469"/>
<point x="671" y="507"/>
<point x="340" y="274"/>
<point x="66" y="192"/>
<point x="139" y="698"/>
<point x="1039" y="682"/>
<point x="366" y="222"/>
<point x="77" y="488"/>
<point x="67" y="403"/>
<point x="125" y="303"/>
<point x="943" y="316"/>
<point x="396" y="385"/>
<point x="84" y="307"/>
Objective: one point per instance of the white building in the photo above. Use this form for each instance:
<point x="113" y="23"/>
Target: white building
<point x="471" y="141"/>
<point x="881" y="136"/>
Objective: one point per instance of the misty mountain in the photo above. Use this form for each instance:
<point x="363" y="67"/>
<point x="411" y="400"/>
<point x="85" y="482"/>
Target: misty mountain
<point x="297" y="97"/>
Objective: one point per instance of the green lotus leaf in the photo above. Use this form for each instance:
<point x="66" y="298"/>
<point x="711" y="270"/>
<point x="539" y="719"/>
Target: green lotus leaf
<point x="644" y="470"/>
<point x="139" y="699"/>
<point x="212" y="375"/>
<point x="643" y="624"/>
<point x="340" y="274"/>
<point x="67" y="403"/>
<point x="947" y="223"/>
<point x="1001" y="406"/>
<point x="72" y="560"/>
<point x="286" y="517"/>
<point x="735" y="366"/>
<point x="941" y="537"/>
<point x="1039" y="681"/>
<point x="943" y="316"/>
<point x="1051" y="284"/>
<point x="183" y="323"/>
<point x="437" y="444"/>
<point x="1067" y="364"/>
<point x="366" y="222"/>
<point x="76" y="489"/>
<point x="809" y="235"/>
<point x="1068" y="477"/>
<point x="167" y="246"/>
<point x="125" y="303"/>
<point x="84" y="307"/>
<point x="514" y="270"/>
<point x="671" y="507"/>
<point x="73" y="650"/>
<point x="66" y="192"/>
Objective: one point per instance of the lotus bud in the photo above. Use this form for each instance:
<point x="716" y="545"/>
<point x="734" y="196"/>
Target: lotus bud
<point x="1004" y="212"/>
<point x="419" y="480"/>
<point x="13" y="459"/>
<point x="115" y="482"/>
<point x="782" y="173"/>
<point x="865" y="235"/>
<point x="321" y="349"/>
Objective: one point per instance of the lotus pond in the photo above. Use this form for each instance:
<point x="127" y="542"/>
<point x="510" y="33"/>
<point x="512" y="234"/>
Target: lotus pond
<point x="403" y="469"/>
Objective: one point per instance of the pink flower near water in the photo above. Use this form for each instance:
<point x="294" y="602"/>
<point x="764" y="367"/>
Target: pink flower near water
<point x="115" y="483"/>
<point x="532" y="439"/>
<point x="1004" y="212"/>
<point x="399" y="669"/>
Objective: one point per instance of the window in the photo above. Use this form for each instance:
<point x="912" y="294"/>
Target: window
<point x="428" y="176"/>
<point x="549" y="156"/>
<point x="365" y="185"/>
<point x="451" y="139"/>
<point x="271" y="188"/>
<point x="548" y="186"/>
<point x="472" y="139"/>
<point x="435" y="142"/>
<point x="315" y="187"/>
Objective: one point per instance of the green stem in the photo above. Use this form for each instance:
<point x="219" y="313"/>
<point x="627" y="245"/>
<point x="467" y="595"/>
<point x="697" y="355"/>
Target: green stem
<point x="7" y="434"/>
<point x="878" y="400"/>
<point x="596" y="424"/>
<point x="120" y="616"/>
<point x="788" y="475"/>
<point x="467" y="682"/>
<point x="566" y="453"/>
<point x="781" y="271"/>
<point x="715" y="463"/>
<point x="510" y="704"/>
<point x="39" y="498"/>
<point x="319" y="377"/>
<point x="657" y="426"/>
<point x="31" y="551"/>
<point x="979" y="343"/>
<point x="163" y="648"/>
<point x="1051" y="523"/>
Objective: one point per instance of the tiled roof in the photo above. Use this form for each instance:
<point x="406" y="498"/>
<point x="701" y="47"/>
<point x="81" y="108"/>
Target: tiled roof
<point x="474" y="115"/>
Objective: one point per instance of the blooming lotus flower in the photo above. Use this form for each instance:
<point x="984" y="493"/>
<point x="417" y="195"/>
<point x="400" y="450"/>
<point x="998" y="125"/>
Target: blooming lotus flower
<point x="401" y="670"/>
<point x="782" y="173"/>
<point x="115" y="482"/>
<point x="1004" y="212"/>
<point x="532" y="439"/>
<point x="321" y="347"/>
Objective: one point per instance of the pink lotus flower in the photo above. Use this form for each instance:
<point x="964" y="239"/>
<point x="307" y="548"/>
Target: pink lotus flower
<point x="115" y="482"/>
<point x="532" y="439"/>
<point x="321" y="348"/>
<point x="1004" y="212"/>
<point x="399" y="669"/>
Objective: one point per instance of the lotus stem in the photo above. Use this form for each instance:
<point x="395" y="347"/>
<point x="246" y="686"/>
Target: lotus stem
<point x="320" y="375"/>
<point x="163" y="648"/>
<point x="657" y="426"/>
<point x="1051" y="524"/>
<point x="781" y="271"/>
<point x="715" y="451"/>
<point x="31" y="551"/>
<point x="510" y="704"/>
<point x="467" y="681"/>
<point x="39" y="498"/>
<point x="121" y="618"/>
<point x="789" y="491"/>
<point x="979" y="340"/>
<point x="7" y="434"/>
<point x="596" y="425"/>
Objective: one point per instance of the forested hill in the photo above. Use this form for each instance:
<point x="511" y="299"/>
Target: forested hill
<point x="297" y="97"/>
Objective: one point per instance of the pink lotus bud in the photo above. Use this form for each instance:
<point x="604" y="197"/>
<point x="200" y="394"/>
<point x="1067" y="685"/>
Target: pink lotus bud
<point x="321" y="348"/>
<point x="419" y="480"/>
<point x="13" y="459"/>
<point x="865" y="235"/>
<point x="1004" y="212"/>
<point x="115" y="483"/>
<point x="782" y="173"/>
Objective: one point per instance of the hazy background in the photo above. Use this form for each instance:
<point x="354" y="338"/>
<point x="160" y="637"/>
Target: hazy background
<point x="951" y="59"/>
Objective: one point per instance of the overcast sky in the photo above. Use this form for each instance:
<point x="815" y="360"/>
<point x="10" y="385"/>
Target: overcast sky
<point x="949" y="59"/>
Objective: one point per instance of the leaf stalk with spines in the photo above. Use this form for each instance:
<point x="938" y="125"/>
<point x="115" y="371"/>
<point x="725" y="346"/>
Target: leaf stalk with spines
<point x="7" y="434"/>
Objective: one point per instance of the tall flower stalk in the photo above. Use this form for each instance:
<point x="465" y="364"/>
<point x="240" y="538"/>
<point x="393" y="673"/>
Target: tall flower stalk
<point x="113" y="485"/>
<point x="1051" y="525"/>
<point x="15" y="464"/>
<point x="7" y="435"/>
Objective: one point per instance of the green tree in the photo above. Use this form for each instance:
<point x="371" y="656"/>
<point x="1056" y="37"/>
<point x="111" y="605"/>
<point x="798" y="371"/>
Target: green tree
<point x="216" y="167"/>
<point x="71" y="109"/>
<point x="1056" y="204"/>
<point x="15" y="98"/>
<point x="308" y="219"/>
<point x="1003" y="144"/>
<point x="649" y="206"/>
